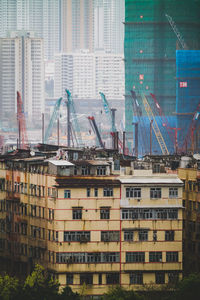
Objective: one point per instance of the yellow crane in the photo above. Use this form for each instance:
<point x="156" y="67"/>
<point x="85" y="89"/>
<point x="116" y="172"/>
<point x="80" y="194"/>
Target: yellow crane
<point x="155" y="127"/>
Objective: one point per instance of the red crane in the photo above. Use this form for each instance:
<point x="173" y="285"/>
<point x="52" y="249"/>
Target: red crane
<point x="23" y="139"/>
<point x="190" y="133"/>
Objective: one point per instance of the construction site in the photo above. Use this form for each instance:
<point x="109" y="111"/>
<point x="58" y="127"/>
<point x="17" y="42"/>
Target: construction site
<point x="107" y="192"/>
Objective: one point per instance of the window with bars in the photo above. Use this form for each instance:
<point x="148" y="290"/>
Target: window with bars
<point x="86" y="278"/>
<point x="105" y="213"/>
<point x="95" y="192"/>
<point x="87" y="257"/>
<point x="155" y="256"/>
<point x="155" y="193"/>
<point x="151" y="213"/>
<point x="135" y="257"/>
<point x="172" y="256"/>
<point x="136" y="278"/>
<point x="110" y="236"/>
<point x="160" y="277"/>
<point x="128" y="235"/>
<point x="108" y="192"/>
<point x="143" y="235"/>
<point x="88" y="192"/>
<point x="173" y="277"/>
<point x="112" y="278"/>
<point x="173" y="192"/>
<point x="69" y="279"/>
<point x="77" y="213"/>
<point x="85" y="170"/>
<point x="76" y="236"/>
<point x="132" y="192"/>
<point x="169" y="235"/>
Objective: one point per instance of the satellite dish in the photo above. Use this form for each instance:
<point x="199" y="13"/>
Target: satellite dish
<point x="32" y="153"/>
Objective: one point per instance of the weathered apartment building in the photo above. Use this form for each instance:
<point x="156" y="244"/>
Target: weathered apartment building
<point x="91" y="221"/>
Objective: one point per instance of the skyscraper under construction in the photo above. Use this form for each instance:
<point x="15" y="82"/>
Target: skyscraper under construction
<point x="153" y="29"/>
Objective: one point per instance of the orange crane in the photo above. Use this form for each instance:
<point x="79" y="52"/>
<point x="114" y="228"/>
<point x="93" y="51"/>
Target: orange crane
<point x="23" y="139"/>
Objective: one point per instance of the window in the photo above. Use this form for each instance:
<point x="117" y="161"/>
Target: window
<point x="155" y="193"/>
<point x="86" y="278"/>
<point x="95" y="192"/>
<point x="108" y="192"/>
<point x="101" y="170"/>
<point x="69" y="279"/>
<point x="173" y="277"/>
<point x="173" y="192"/>
<point x="67" y="193"/>
<point x="151" y="213"/>
<point x="134" y="257"/>
<point x="160" y="277"/>
<point x="128" y="235"/>
<point x="105" y="213"/>
<point x="154" y="235"/>
<point x="77" y="213"/>
<point x="143" y="235"/>
<point x="87" y="257"/>
<point x="172" y="256"/>
<point x="133" y="192"/>
<point x="76" y="236"/>
<point x="169" y="235"/>
<point x="155" y="256"/>
<point x="88" y="192"/>
<point x="136" y="278"/>
<point x="100" y="278"/>
<point x="110" y="236"/>
<point x="85" y="170"/>
<point x="112" y="278"/>
<point x="51" y="214"/>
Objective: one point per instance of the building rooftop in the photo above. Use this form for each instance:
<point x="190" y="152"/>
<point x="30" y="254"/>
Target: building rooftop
<point x="150" y="180"/>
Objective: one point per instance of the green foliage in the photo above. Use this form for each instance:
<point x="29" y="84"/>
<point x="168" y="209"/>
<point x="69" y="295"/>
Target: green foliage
<point x="189" y="288"/>
<point x="67" y="294"/>
<point x="40" y="285"/>
<point x="119" y="293"/>
<point x="10" y="288"/>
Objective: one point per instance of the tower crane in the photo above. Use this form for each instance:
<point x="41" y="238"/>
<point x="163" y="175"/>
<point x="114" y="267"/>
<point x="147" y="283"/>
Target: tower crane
<point x="111" y="120"/>
<point x="155" y="127"/>
<point x="74" y="120"/>
<point x="190" y="133"/>
<point x="176" y="31"/>
<point x="96" y="130"/>
<point x="23" y="139"/>
<point x="52" y="120"/>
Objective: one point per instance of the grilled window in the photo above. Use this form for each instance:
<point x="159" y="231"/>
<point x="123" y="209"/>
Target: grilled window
<point x="77" y="213"/>
<point x="173" y="277"/>
<point x="87" y="257"/>
<point x="155" y="256"/>
<point x="128" y="235"/>
<point x="173" y="192"/>
<point x="105" y="213"/>
<point x="169" y="235"/>
<point x="76" y="236"/>
<point x="85" y="170"/>
<point x="95" y="192"/>
<point x="69" y="279"/>
<point x="136" y="278"/>
<point x="108" y="192"/>
<point x="155" y="193"/>
<point x="133" y="257"/>
<point x="143" y="235"/>
<point x="86" y="278"/>
<point x="172" y="256"/>
<point x="132" y="192"/>
<point x="112" y="278"/>
<point x="110" y="236"/>
<point x="151" y="213"/>
<point x="160" y="277"/>
<point x="88" y="192"/>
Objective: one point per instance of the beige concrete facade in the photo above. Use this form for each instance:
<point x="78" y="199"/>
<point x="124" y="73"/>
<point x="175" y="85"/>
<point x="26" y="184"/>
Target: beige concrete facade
<point x="92" y="228"/>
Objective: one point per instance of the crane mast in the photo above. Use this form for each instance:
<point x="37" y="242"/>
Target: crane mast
<point x="96" y="130"/>
<point x="23" y="139"/>
<point x="155" y="127"/>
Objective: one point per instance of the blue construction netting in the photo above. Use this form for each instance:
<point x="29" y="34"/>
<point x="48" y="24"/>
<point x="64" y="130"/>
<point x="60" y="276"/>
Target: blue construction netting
<point x="187" y="89"/>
